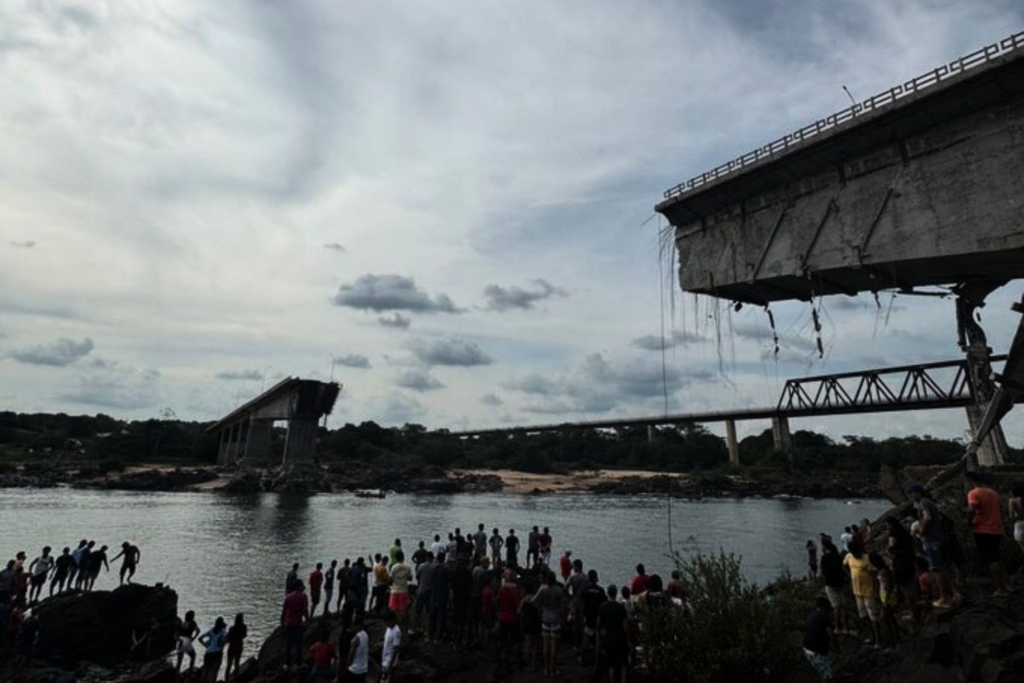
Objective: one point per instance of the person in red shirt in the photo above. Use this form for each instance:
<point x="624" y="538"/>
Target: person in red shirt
<point x="639" y="584"/>
<point x="508" y="612"/>
<point x="565" y="565"/>
<point x="324" y="657"/>
<point x="294" y="616"/>
<point x="487" y="610"/>
<point x="316" y="583"/>
<point x="987" y="525"/>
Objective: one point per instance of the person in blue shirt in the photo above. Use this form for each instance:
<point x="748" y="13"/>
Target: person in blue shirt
<point x="214" y="641"/>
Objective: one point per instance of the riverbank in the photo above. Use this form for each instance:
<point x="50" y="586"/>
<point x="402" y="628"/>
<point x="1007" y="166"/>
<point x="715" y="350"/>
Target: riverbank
<point x="338" y="479"/>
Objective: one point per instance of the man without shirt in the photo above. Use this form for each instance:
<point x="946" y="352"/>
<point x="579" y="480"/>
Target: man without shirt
<point x="497" y="543"/>
<point x="532" y="549"/>
<point x="479" y="543"/>
<point x="512" y="549"/>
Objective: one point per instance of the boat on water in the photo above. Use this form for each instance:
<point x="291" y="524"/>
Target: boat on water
<point x="370" y="493"/>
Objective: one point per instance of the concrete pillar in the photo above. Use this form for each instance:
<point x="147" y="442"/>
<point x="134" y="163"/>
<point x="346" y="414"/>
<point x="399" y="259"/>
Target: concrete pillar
<point x="258" y="447"/>
<point x="781" y="436"/>
<point x="300" y="443"/>
<point x="222" y="450"/>
<point x="731" y="442"/>
<point x="650" y="433"/>
<point x="993" y="448"/>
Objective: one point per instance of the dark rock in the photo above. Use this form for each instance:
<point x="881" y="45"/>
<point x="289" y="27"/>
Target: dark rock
<point x="157" y="671"/>
<point x="97" y="626"/>
<point x="248" y="671"/>
<point x="13" y="480"/>
<point x="151" y="480"/>
<point x="247" y="481"/>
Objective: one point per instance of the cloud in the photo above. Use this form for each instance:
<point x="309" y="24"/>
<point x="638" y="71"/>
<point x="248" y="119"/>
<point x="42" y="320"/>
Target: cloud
<point x="398" y="409"/>
<point x="397" y="321"/>
<point x="652" y="342"/>
<point x="353" y="360"/>
<point x="334" y="246"/>
<point x="27" y="244"/>
<point x="491" y="400"/>
<point x="765" y="335"/>
<point x="111" y="385"/>
<point x="508" y="298"/>
<point x="57" y="354"/>
<point x="456" y="352"/>
<point x="248" y="375"/>
<point x="418" y="380"/>
<point x="382" y="293"/>
<point x="598" y="386"/>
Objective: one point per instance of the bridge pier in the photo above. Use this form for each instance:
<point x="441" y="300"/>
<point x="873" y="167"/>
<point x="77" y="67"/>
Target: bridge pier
<point x="731" y="442"/>
<point x="781" y="437"/>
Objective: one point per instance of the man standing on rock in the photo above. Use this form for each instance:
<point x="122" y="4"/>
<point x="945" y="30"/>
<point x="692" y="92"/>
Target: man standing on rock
<point x="292" y="579"/>
<point x="497" y="543"/>
<point x="329" y="585"/>
<point x="932" y="541"/>
<point x="316" y="583"/>
<point x="62" y="567"/>
<point x="400" y="576"/>
<point x="544" y="547"/>
<point x="512" y="549"/>
<point x="294" y="615"/>
<point x="532" y="552"/>
<point x="132" y="555"/>
<point x="40" y="569"/>
<point x="987" y="526"/>
<point x="479" y="543"/>
<point x="358" y="661"/>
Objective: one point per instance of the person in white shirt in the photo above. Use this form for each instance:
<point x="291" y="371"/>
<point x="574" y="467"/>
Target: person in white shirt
<point x="438" y="547"/>
<point x="392" y="644"/>
<point x="359" y="654"/>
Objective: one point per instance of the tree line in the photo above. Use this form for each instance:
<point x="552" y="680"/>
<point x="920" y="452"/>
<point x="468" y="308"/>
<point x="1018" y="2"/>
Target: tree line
<point x="42" y="438"/>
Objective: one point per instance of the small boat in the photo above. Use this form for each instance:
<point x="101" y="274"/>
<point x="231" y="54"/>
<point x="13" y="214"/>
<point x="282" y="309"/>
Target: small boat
<point x="370" y="493"/>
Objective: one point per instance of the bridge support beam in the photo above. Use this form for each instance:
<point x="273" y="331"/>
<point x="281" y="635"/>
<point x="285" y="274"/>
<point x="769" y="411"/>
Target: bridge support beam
<point x="300" y="443"/>
<point x="731" y="442"/>
<point x="781" y="437"/>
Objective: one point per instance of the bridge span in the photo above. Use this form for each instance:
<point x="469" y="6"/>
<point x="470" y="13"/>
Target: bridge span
<point x="924" y="386"/>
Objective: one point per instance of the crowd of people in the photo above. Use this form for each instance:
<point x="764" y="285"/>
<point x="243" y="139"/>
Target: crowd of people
<point x="23" y="582"/>
<point x="920" y="568"/>
<point x="471" y="592"/>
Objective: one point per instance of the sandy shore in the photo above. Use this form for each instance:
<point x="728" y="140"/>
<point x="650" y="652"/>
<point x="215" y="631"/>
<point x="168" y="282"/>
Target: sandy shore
<point x="524" y="482"/>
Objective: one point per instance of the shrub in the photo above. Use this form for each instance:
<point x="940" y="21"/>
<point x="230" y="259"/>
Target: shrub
<point x="732" y="631"/>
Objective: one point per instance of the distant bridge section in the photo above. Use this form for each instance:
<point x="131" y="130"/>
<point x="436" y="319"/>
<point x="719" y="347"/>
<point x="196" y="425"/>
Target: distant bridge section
<point x="246" y="432"/>
<point x="927" y="386"/>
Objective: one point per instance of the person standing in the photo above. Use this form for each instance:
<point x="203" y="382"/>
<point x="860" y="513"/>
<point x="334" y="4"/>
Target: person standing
<point x="392" y="646"/>
<point x="329" y="585"/>
<point x="987" y="526"/>
<point x="550" y="599"/>
<point x="62" y="569"/>
<point x="97" y="561"/>
<point x="323" y="655"/>
<point x="479" y="543"/>
<point x="612" y="637"/>
<point x="497" y="543"/>
<point x="82" y="577"/>
<point x="544" y="547"/>
<point x="316" y="584"/>
<point x="294" y="615"/>
<point x="39" y="569"/>
<point x="532" y="547"/>
<point x="358" y="661"/>
<point x="76" y="565"/>
<point x="512" y="549"/>
<point x="292" y="579"/>
<point x="639" y="584"/>
<point x="565" y="565"/>
<point x="862" y="576"/>
<point x="132" y="556"/>
<point x="186" y="633"/>
<point x="835" y="584"/>
<point x="393" y="552"/>
<point x="818" y="639"/>
<point x="214" y="641"/>
<point x="400" y="576"/>
<point x="932" y="542"/>
<point x="236" y="642"/>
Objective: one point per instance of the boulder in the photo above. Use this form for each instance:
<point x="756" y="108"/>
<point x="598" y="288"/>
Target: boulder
<point x="156" y="671"/>
<point x="97" y="626"/>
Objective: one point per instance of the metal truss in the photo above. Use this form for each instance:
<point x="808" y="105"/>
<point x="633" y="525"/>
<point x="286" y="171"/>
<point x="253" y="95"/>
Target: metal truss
<point x="944" y="384"/>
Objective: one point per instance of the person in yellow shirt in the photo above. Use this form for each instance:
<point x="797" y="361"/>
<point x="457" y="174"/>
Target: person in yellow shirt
<point x="865" y="594"/>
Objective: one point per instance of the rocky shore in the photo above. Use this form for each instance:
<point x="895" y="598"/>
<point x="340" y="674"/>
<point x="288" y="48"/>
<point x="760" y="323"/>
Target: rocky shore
<point x="436" y="480"/>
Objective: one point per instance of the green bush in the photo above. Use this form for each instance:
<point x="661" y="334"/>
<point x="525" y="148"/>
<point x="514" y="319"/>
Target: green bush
<point x="732" y="631"/>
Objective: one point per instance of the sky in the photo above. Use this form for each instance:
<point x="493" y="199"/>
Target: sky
<point x="447" y="207"/>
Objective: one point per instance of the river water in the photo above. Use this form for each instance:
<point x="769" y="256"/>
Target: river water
<point x="229" y="553"/>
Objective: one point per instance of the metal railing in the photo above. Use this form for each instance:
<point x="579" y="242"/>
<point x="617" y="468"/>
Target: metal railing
<point x="879" y="101"/>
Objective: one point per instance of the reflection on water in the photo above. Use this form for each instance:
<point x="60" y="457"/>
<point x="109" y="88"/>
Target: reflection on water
<point x="226" y="553"/>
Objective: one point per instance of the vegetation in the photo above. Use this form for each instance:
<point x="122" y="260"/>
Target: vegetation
<point x="732" y="631"/>
<point x="107" y="443"/>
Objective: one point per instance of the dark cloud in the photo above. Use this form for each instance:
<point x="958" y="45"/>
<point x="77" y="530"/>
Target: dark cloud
<point x="233" y="375"/>
<point x="652" y="342"/>
<point x="27" y="244"/>
<point x="508" y="298"/>
<point x="597" y="386"/>
<point x="58" y="354"/>
<point x="334" y="246"/>
<point x="449" y="352"/>
<point x="397" y="321"/>
<point x="418" y="380"/>
<point x="491" y="400"/>
<point x="353" y="360"/>
<point x="380" y="293"/>
<point x="111" y="385"/>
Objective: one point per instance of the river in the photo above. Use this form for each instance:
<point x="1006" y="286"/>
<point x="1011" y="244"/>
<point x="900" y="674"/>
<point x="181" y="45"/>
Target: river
<point x="229" y="553"/>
